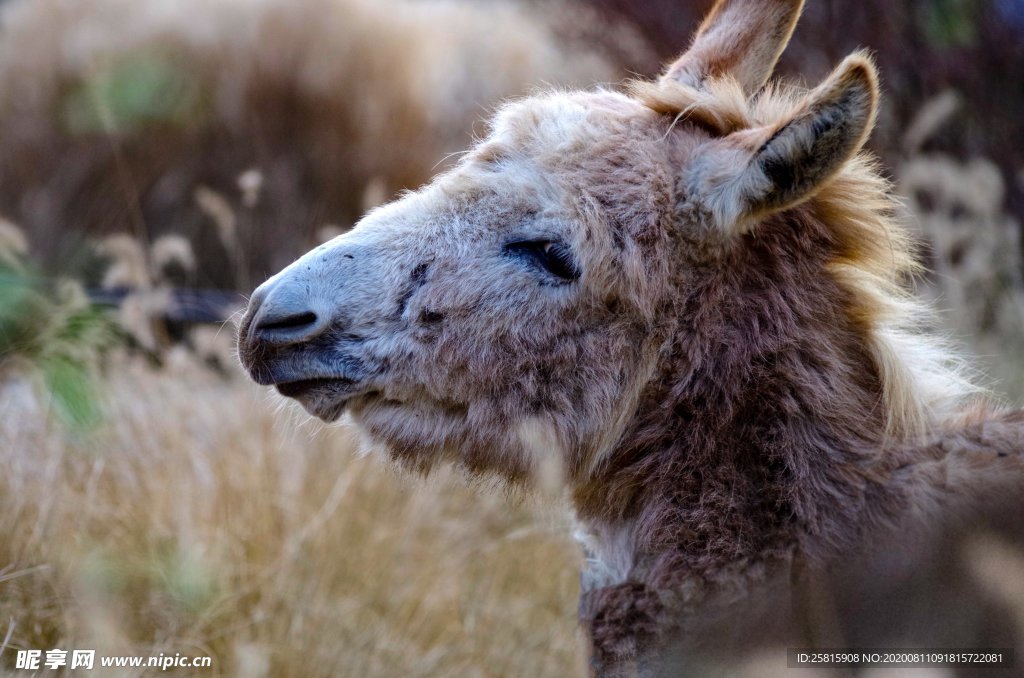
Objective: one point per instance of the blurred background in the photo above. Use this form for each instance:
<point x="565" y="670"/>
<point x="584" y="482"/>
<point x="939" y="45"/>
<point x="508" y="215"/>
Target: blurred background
<point x="160" y="158"/>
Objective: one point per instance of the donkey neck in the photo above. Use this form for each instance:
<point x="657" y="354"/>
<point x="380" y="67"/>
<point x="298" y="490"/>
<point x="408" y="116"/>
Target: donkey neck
<point x="765" y="420"/>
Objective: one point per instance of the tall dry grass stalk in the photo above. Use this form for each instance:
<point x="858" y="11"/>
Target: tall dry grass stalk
<point x="973" y="246"/>
<point x="196" y="519"/>
<point x="13" y="245"/>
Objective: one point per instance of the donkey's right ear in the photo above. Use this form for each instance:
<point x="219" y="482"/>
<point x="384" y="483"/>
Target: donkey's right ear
<point x="751" y="173"/>
<point x="741" y="38"/>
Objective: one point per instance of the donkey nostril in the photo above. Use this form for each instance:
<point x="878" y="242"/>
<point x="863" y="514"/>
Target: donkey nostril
<point x="283" y="314"/>
<point x="289" y="322"/>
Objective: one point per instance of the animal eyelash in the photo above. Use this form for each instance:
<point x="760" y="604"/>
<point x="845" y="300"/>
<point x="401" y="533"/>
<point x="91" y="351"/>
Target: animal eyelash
<point x="554" y="257"/>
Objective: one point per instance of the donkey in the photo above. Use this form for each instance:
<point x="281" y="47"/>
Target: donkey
<point x="698" y="288"/>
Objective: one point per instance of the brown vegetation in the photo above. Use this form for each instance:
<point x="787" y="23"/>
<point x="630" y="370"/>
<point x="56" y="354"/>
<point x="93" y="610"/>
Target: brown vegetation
<point x="176" y="525"/>
<point x="122" y="116"/>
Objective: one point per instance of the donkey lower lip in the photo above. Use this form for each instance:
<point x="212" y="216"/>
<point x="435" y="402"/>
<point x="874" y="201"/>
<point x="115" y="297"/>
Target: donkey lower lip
<point x="308" y="366"/>
<point x="320" y="386"/>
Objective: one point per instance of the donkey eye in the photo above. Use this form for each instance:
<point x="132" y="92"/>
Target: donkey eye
<point x="554" y="257"/>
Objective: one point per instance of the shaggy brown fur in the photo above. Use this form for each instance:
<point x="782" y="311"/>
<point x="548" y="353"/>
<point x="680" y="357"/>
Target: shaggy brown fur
<point x="769" y="436"/>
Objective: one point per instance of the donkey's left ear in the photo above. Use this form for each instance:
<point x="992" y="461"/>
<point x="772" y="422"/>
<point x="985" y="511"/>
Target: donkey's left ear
<point x="741" y="38"/>
<point x="755" y="172"/>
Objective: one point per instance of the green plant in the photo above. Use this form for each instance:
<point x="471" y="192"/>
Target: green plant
<point x="54" y="329"/>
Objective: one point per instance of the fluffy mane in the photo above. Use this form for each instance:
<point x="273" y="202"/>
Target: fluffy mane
<point x="926" y="382"/>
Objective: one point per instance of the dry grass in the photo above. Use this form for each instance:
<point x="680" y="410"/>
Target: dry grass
<point x="142" y="117"/>
<point x="195" y="519"/>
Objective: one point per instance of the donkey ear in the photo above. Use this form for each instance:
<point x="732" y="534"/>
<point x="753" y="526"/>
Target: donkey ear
<point x="755" y="172"/>
<point x="742" y="38"/>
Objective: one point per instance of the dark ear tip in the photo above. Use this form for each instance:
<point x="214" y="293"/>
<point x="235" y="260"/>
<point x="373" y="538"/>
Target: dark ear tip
<point x="858" y="70"/>
<point x="855" y="82"/>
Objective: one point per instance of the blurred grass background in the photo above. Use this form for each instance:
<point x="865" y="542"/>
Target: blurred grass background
<point x="152" y="500"/>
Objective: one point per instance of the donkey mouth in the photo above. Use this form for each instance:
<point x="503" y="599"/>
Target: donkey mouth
<point x="304" y="387"/>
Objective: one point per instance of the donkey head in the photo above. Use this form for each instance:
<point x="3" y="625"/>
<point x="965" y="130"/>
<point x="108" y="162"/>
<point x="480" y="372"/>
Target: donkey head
<point x="540" y="278"/>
